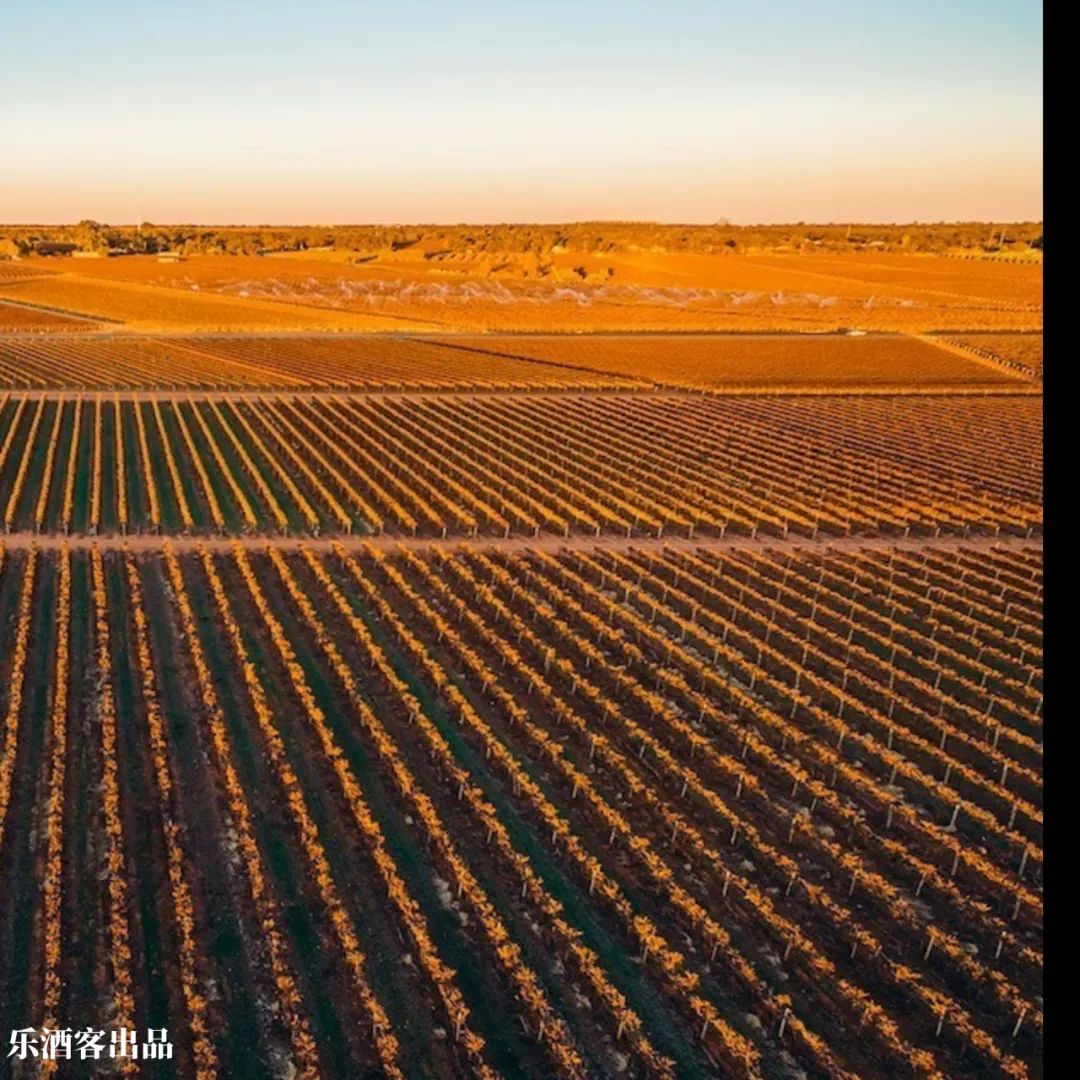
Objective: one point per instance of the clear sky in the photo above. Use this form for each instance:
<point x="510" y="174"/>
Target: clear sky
<point x="322" y="111"/>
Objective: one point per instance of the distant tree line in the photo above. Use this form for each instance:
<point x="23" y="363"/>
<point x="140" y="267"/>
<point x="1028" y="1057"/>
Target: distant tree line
<point x="584" y="237"/>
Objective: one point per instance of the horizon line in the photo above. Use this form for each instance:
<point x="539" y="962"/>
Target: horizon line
<point x="523" y="222"/>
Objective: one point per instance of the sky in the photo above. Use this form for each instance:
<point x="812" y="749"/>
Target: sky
<point x="335" y="111"/>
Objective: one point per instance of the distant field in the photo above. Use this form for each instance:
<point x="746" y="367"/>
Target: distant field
<point x="1025" y="351"/>
<point x="596" y="291"/>
<point x="148" y="307"/>
<point x="17" y="271"/>
<point x="758" y="362"/>
<point x="18" y="318"/>
<point x="926" y="279"/>
<point x="247" y="363"/>
<point x="721" y="363"/>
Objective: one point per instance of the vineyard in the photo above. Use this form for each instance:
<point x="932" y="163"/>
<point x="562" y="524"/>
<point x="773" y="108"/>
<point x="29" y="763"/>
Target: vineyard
<point x="646" y="812"/>
<point x="583" y="707"/>
<point x="790" y="363"/>
<point x="725" y="364"/>
<point x="1020" y="352"/>
<point x="10" y="271"/>
<point x="22" y="318"/>
<point x="254" y="363"/>
<point x="500" y="465"/>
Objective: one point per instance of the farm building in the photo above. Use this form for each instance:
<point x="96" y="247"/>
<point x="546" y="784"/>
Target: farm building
<point x="54" y="247"/>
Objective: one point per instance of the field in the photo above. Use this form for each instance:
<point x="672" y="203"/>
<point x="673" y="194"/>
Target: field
<point x="437" y="705"/>
<point x="496" y="465"/>
<point x="268" y="363"/>
<point x="17" y="271"/>
<point x="447" y="285"/>
<point x="790" y="363"/>
<point x="459" y="811"/>
<point x="23" y="318"/>
<point x="722" y="363"/>
<point x="1021" y="352"/>
<point x="148" y="307"/>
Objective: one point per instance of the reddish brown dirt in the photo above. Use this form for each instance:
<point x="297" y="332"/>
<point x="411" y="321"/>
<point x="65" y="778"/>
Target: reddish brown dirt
<point x="544" y="542"/>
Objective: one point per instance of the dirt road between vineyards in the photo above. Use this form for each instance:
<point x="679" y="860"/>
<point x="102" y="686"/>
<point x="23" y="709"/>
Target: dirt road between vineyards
<point x="475" y="392"/>
<point x="150" y="542"/>
<point x="391" y="393"/>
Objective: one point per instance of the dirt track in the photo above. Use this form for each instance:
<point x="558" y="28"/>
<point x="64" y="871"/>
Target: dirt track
<point x="390" y="393"/>
<point x="544" y="542"/>
<point x="1020" y="390"/>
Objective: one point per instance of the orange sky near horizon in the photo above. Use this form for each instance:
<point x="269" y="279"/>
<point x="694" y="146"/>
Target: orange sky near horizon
<point x="341" y="112"/>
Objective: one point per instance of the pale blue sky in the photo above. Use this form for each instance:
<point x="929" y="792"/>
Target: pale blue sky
<point x="324" y="111"/>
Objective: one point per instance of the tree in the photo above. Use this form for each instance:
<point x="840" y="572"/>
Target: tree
<point x="89" y="235"/>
